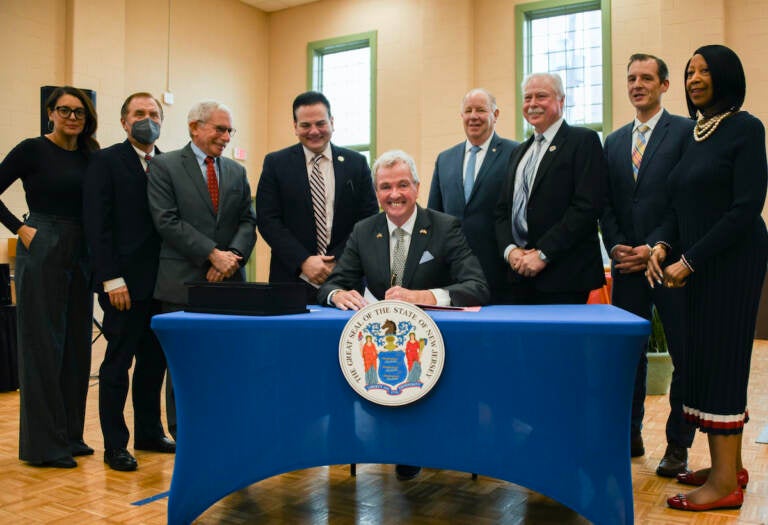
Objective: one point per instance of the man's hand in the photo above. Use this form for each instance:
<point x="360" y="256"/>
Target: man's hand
<point x="632" y="260"/>
<point x="214" y="276"/>
<point x="530" y="264"/>
<point x="410" y="296"/>
<point x="317" y="268"/>
<point x="348" y="300"/>
<point x="120" y="298"/>
<point x="514" y="256"/>
<point x="224" y="262"/>
<point x="26" y="234"/>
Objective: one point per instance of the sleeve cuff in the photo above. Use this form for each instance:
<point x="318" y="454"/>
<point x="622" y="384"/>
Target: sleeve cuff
<point x="113" y="284"/>
<point x="442" y="297"/>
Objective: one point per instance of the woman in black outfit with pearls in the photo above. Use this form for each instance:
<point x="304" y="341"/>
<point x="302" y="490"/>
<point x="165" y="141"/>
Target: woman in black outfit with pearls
<point x="54" y="302"/>
<point x="718" y="191"/>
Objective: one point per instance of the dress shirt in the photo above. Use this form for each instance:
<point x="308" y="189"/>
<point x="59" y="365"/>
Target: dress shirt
<point x="479" y="157"/>
<point x="200" y="155"/>
<point x="651" y="125"/>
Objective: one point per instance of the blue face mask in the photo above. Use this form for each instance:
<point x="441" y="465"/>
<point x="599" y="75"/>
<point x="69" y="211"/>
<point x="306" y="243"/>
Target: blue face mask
<point x="145" y="131"/>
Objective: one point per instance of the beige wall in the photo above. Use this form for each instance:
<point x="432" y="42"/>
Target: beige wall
<point x="430" y="53"/>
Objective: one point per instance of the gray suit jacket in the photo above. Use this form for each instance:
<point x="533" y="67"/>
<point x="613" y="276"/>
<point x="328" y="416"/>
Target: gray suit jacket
<point x="183" y="214"/>
<point x="438" y="257"/>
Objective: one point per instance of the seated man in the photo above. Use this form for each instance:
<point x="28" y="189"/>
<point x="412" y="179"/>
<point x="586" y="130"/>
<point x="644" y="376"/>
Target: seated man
<point x="407" y="253"/>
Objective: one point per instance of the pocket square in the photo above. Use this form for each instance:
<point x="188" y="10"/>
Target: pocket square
<point x="426" y="257"/>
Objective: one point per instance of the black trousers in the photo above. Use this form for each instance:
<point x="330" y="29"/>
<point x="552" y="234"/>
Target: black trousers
<point x="55" y="311"/>
<point x="631" y="292"/>
<point x="523" y="291"/>
<point x="129" y="335"/>
<point x="170" y="395"/>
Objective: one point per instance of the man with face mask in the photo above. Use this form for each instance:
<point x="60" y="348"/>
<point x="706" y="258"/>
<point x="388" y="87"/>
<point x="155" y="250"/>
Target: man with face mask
<point x="124" y="256"/>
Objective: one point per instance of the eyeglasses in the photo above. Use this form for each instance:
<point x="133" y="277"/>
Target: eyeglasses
<point x="66" y="111"/>
<point x="220" y="130"/>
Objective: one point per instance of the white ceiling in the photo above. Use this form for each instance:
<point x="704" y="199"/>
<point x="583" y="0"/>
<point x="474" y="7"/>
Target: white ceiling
<point x="275" y="5"/>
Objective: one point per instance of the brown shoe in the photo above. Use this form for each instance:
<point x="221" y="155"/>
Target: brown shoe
<point x="674" y="462"/>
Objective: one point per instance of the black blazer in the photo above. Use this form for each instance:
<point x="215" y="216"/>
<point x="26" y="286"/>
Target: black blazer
<point x="118" y="226"/>
<point x="438" y="257"/>
<point x="634" y="209"/>
<point x="286" y="218"/>
<point x="563" y="208"/>
<point x="446" y="194"/>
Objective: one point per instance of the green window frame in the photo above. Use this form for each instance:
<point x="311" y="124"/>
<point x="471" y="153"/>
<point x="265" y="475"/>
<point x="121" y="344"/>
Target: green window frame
<point x="525" y="14"/>
<point x="317" y="51"/>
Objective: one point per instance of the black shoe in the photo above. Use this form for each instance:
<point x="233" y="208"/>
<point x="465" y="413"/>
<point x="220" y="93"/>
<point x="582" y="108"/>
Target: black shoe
<point x="120" y="459"/>
<point x="65" y="462"/>
<point x="162" y="444"/>
<point x="79" y="448"/>
<point x="406" y="472"/>
<point x="636" y="448"/>
<point x="674" y="462"/>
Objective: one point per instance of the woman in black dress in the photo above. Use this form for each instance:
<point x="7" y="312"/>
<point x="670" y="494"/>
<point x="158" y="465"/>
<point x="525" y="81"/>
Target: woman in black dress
<point x="52" y="281"/>
<point x="718" y="189"/>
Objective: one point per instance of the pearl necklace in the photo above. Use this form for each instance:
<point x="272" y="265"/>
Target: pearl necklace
<point x="705" y="126"/>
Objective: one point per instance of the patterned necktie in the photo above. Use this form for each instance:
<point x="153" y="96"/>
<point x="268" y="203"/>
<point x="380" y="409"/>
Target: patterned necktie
<point x="638" y="148"/>
<point x="469" y="173"/>
<point x="522" y="190"/>
<point x="213" y="184"/>
<point x="317" y="188"/>
<point x="398" y="257"/>
<point x="147" y="158"/>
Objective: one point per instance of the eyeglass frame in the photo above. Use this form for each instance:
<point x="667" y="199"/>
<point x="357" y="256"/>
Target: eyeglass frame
<point x="79" y="113"/>
<point x="220" y="130"/>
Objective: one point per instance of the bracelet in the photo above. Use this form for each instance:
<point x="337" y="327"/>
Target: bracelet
<point x="686" y="263"/>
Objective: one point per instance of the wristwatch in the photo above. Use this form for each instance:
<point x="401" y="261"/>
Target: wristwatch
<point x="543" y="256"/>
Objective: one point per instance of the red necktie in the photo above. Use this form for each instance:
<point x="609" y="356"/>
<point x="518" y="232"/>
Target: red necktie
<point x="147" y="158"/>
<point x="213" y="184"/>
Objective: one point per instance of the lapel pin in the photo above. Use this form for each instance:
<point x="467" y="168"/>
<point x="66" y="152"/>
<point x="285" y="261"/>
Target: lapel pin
<point x="423" y="231"/>
<point x="379" y="236"/>
<point x="340" y="158"/>
<point x="552" y="148"/>
<point x="494" y="150"/>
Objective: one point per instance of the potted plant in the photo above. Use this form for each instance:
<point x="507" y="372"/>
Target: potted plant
<point x="659" y="374"/>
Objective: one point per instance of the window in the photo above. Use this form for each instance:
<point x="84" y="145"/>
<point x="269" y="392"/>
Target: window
<point x="344" y="70"/>
<point x="570" y="38"/>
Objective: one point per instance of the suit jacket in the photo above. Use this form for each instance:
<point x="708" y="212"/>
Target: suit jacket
<point x="452" y="266"/>
<point x="446" y="194"/>
<point x="118" y="226"/>
<point x="634" y="209"/>
<point x="284" y="204"/>
<point x="563" y="208"/>
<point x="183" y="214"/>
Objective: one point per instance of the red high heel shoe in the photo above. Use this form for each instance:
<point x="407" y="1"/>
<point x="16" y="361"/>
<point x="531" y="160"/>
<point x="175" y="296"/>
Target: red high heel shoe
<point x="690" y="478"/>
<point x="734" y="500"/>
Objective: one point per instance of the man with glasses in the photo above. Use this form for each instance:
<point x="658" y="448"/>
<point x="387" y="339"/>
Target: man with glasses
<point x="201" y="206"/>
<point x="309" y="197"/>
<point x="124" y="253"/>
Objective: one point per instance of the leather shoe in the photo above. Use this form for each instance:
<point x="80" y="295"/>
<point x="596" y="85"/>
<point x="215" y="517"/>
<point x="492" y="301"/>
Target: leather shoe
<point x="674" y="462"/>
<point x="65" y="462"/>
<point x="120" y="459"/>
<point x="79" y="448"/>
<point x="734" y="500"/>
<point x="406" y="472"/>
<point x="162" y="444"/>
<point x="689" y="477"/>
<point x="636" y="448"/>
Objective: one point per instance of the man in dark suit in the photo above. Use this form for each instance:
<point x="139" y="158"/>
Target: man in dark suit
<point x="406" y="253"/>
<point x="640" y="157"/>
<point x="309" y="197"/>
<point x="124" y="253"/>
<point x="546" y="218"/>
<point x="201" y="206"/>
<point x="467" y="182"/>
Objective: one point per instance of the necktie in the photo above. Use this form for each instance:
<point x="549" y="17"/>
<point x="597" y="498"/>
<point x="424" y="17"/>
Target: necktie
<point x="317" y="188"/>
<point x="469" y="174"/>
<point x="398" y="257"/>
<point x="147" y="158"/>
<point x="213" y="184"/>
<point x="520" y="200"/>
<point x="638" y="148"/>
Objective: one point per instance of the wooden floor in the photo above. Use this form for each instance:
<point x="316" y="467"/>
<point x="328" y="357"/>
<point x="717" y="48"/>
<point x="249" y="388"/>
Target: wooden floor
<point x="92" y="493"/>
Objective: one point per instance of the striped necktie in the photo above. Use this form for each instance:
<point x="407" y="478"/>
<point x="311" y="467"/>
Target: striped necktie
<point x="147" y="158"/>
<point x="638" y="148"/>
<point x="521" y="193"/>
<point x="317" y="188"/>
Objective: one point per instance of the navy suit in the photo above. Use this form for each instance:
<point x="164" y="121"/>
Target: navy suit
<point x="286" y="218"/>
<point x="123" y="243"/>
<point x="446" y="194"/>
<point x="632" y="211"/>
<point x="564" y="205"/>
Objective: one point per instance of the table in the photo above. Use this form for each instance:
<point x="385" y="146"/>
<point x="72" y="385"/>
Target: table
<point x="9" y="357"/>
<point x="535" y="395"/>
